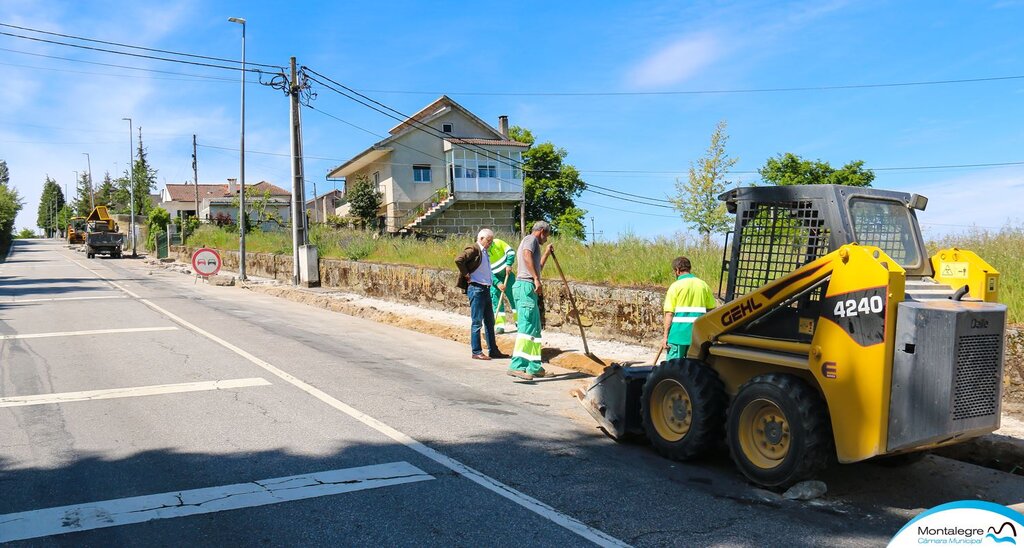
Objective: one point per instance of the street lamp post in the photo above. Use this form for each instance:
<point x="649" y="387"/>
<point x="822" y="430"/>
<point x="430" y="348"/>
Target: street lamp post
<point x="131" y="183"/>
<point x="92" y="194"/>
<point x="241" y="165"/>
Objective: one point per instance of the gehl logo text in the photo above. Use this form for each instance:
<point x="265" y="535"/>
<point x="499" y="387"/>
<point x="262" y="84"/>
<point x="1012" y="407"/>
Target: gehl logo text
<point x="740" y="311"/>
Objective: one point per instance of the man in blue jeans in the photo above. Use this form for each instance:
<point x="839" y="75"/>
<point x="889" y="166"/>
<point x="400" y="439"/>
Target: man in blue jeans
<point x="475" y="281"/>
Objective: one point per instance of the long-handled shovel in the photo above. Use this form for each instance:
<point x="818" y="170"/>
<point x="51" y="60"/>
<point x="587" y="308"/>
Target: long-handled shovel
<point x="504" y="299"/>
<point x="658" y="355"/>
<point x="572" y="302"/>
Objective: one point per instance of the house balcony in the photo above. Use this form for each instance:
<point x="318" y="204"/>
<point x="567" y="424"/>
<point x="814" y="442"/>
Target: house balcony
<point x="485" y="174"/>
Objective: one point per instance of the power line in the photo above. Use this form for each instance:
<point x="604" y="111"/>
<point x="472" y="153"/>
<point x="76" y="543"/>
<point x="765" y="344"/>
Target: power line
<point x="129" y="54"/>
<point x="698" y="91"/>
<point x="121" y="45"/>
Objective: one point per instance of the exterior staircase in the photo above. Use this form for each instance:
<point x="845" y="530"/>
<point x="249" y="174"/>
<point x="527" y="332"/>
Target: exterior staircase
<point x="429" y="214"/>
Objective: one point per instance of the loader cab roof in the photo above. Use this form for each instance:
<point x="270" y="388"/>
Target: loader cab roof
<point x="780" y="228"/>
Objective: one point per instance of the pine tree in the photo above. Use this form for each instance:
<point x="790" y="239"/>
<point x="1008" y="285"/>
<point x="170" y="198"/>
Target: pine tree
<point x="51" y="201"/>
<point x="142" y="177"/>
<point x="697" y="198"/>
<point x="82" y="204"/>
<point x="105" y="193"/>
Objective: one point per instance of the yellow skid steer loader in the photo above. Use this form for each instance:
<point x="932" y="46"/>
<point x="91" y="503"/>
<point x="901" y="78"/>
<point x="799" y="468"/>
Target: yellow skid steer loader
<point x="839" y="339"/>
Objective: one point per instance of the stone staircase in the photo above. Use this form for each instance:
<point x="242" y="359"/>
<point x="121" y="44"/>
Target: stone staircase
<point x="429" y="214"/>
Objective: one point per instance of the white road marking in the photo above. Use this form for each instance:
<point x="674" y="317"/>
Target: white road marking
<point x="90" y="332"/>
<point x="117" y="512"/>
<point x="109" y="393"/>
<point x="52" y="299"/>
<point x="572" y="524"/>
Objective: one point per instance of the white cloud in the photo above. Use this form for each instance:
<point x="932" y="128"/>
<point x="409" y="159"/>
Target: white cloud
<point x="985" y="199"/>
<point x="677" y="61"/>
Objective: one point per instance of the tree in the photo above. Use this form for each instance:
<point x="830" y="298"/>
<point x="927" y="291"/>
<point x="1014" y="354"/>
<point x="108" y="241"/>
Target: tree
<point x="697" y="198"/>
<point x="551" y="186"/>
<point x="105" y="193"/>
<point x="50" y="203"/>
<point x="143" y="176"/>
<point x="364" y="200"/>
<point x="257" y="208"/>
<point x="82" y="204"/>
<point x="790" y="169"/>
<point x="10" y="205"/>
<point x="158" y="220"/>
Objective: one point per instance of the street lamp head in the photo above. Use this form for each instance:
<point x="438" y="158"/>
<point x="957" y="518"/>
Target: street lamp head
<point x="127" y="119"/>
<point x="238" y="20"/>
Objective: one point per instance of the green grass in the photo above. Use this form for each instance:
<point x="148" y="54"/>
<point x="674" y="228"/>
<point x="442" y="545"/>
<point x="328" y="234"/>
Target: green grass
<point x="630" y="261"/>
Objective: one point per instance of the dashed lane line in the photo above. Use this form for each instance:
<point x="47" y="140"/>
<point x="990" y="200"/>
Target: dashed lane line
<point x="84" y="333"/>
<point x="113" y="513"/>
<point x="129" y="392"/>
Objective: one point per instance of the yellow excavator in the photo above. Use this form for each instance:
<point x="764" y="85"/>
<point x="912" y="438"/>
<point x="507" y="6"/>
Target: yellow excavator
<point x="840" y="339"/>
<point x="76" y="230"/>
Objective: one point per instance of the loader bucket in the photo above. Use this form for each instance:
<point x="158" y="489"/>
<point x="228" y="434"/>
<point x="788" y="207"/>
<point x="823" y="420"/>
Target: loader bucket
<point x="614" y="400"/>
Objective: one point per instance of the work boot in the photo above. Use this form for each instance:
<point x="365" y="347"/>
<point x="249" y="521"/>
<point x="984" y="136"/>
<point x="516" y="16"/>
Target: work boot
<point x="520" y="374"/>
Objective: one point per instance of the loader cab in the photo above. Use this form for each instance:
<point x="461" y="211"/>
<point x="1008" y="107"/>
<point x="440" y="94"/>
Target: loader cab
<point x="778" y="229"/>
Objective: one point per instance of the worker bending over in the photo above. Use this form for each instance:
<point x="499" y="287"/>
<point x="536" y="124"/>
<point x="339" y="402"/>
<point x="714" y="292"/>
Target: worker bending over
<point x="687" y="299"/>
<point x="501" y="256"/>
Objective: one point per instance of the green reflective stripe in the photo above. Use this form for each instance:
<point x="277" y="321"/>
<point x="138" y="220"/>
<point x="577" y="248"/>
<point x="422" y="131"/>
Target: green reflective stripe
<point x="527" y="349"/>
<point x="525" y="356"/>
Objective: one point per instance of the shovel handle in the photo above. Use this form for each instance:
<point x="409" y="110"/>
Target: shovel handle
<point x="658" y="355"/>
<point x="572" y="302"/>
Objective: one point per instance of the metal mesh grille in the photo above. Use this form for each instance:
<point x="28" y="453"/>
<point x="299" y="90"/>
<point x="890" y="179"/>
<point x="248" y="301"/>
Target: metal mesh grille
<point x="885" y="225"/>
<point x="776" y="238"/>
<point x="977" y="376"/>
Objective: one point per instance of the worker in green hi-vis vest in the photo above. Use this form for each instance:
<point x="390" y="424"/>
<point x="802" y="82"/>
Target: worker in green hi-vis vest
<point x="688" y="298"/>
<point x="501" y="256"/>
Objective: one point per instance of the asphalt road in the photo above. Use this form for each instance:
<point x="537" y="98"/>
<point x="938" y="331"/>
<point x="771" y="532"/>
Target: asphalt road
<point x="138" y="408"/>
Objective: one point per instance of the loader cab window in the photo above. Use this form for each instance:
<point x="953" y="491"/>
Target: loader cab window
<point x="889" y="225"/>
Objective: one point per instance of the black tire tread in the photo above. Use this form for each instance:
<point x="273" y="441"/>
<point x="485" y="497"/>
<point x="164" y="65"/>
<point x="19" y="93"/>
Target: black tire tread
<point x="812" y="411"/>
<point x="707" y="398"/>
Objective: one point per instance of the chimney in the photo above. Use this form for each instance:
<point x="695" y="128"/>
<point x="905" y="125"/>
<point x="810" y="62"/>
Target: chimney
<point x="232" y="187"/>
<point x="503" y="125"/>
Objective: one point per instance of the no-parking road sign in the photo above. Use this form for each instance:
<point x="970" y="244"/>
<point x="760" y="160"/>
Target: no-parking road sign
<point x="206" y="262"/>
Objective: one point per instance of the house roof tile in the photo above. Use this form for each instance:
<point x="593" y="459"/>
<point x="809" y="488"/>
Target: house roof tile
<point x="187" y="192"/>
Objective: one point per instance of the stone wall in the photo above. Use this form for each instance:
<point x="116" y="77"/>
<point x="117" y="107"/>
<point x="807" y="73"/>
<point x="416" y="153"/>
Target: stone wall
<point x="468" y="217"/>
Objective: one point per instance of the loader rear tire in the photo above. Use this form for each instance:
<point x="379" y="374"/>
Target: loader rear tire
<point x="683" y="408"/>
<point x="779" y="431"/>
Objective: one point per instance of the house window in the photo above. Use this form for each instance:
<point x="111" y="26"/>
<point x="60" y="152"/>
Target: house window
<point x="488" y="170"/>
<point x="376" y="177"/>
<point x="447" y="128"/>
<point x="421" y="174"/>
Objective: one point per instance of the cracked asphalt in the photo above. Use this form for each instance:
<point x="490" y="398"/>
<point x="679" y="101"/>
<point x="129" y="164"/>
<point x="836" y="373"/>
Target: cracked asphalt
<point x="532" y="437"/>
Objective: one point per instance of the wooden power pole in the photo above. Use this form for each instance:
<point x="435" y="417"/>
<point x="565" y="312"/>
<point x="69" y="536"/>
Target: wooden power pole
<point x="195" y="172"/>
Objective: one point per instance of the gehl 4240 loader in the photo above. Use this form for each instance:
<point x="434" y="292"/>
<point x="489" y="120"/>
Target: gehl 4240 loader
<point x="839" y="339"/>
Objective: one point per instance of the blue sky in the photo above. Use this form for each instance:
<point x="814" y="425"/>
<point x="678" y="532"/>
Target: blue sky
<point x="53" y="110"/>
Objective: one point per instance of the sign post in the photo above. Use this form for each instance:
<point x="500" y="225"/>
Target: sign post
<point x="206" y="262"/>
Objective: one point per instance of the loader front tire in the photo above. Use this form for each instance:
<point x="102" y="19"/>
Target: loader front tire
<point x="779" y="431"/>
<point x="683" y="408"/>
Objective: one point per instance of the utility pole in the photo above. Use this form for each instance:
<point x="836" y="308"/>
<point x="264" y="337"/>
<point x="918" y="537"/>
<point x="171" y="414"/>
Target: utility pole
<point x="522" y="214"/>
<point x="593" y="231"/>
<point x="241" y="165"/>
<point x="92" y="192"/>
<point x="300" y="235"/>
<point x="195" y="173"/>
<point x="131" y="183"/>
